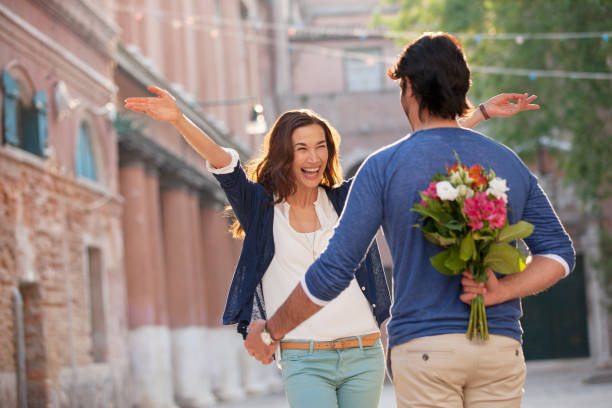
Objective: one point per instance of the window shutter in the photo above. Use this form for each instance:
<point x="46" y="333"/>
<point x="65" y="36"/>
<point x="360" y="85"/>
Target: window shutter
<point x="11" y="99"/>
<point x="40" y="104"/>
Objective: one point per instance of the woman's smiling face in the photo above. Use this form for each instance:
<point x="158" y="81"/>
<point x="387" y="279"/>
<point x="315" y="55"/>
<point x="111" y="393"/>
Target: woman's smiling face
<point x="309" y="155"/>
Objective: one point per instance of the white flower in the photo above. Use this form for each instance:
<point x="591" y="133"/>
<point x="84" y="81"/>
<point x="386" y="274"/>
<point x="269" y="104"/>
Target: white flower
<point x="455" y="178"/>
<point x="498" y="188"/>
<point x="446" y="191"/>
<point x="465" y="191"/>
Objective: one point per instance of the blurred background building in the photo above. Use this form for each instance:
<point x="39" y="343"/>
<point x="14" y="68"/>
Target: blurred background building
<point x="114" y="255"/>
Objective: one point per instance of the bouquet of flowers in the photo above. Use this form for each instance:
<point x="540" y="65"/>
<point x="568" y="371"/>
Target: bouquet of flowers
<point x="465" y="211"/>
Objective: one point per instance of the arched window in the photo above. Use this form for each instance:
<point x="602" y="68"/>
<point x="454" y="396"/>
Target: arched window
<point x="84" y="161"/>
<point x="24" y="112"/>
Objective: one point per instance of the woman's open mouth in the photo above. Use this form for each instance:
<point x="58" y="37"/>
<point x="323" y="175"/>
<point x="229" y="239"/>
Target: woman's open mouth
<point x="311" y="172"/>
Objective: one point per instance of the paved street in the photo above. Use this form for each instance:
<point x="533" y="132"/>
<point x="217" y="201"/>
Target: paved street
<point x="558" y="383"/>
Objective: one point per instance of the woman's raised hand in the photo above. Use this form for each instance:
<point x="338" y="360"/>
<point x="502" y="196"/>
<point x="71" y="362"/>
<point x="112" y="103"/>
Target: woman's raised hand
<point x="163" y="107"/>
<point x="501" y="105"/>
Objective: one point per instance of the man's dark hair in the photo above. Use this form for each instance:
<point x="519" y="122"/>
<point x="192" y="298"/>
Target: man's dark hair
<point x="438" y="73"/>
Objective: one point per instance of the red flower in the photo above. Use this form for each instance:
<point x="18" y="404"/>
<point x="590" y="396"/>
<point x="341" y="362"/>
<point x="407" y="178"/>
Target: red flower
<point x="475" y="173"/>
<point x="455" y="168"/>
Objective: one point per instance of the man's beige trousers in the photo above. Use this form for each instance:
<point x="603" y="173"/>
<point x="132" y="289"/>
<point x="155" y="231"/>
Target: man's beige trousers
<point x="451" y="371"/>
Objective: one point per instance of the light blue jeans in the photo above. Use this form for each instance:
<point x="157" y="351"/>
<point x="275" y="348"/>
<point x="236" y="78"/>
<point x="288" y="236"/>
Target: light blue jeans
<point x="343" y="378"/>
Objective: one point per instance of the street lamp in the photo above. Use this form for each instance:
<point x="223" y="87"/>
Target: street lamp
<point x="256" y="126"/>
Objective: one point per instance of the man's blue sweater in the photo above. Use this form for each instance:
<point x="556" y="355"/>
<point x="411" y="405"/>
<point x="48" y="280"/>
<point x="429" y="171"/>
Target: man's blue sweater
<point x="426" y="302"/>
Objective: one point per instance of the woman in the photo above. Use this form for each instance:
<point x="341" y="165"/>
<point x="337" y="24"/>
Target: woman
<point x="286" y="208"/>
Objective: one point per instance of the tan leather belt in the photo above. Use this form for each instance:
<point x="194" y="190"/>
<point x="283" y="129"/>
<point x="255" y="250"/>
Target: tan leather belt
<point x="366" y="341"/>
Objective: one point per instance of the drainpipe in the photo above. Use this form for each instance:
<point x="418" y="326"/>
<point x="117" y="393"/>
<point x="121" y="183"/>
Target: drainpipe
<point x="22" y="386"/>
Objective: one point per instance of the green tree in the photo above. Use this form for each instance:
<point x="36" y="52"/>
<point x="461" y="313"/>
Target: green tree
<point x="573" y="110"/>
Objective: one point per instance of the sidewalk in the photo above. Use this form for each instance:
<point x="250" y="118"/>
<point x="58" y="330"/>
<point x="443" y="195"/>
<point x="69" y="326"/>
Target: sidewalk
<point x="554" y="383"/>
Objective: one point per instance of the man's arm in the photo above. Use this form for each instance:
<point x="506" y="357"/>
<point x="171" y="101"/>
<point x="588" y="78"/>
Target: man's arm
<point x="500" y="106"/>
<point x="297" y="308"/>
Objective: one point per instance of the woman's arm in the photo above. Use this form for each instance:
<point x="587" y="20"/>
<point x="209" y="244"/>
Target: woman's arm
<point x="164" y="108"/>
<point x="500" y="106"/>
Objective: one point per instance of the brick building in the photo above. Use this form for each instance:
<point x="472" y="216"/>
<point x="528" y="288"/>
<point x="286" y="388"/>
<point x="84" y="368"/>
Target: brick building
<point x="62" y="283"/>
<point x="179" y="258"/>
<point x="115" y="257"/>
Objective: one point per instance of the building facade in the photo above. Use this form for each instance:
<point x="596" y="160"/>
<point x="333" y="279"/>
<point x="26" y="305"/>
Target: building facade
<point x="62" y="282"/>
<point x="115" y="252"/>
<point x="179" y="257"/>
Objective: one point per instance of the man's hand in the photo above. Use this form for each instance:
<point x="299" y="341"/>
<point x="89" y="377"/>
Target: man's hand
<point x="540" y="274"/>
<point x="255" y="345"/>
<point x="501" y="105"/>
<point x="491" y="290"/>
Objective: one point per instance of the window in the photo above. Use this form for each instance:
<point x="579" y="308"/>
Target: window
<point x="84" y="161"/>
<point x="24" y="113"/>
<point x="363" y="74"/>
<point x="244" y="11"/>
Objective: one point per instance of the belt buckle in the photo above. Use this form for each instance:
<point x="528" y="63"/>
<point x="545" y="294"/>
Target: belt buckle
<point x="338" y="344"/>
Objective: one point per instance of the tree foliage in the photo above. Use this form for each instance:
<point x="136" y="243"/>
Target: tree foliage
<point x="573" y="110"/>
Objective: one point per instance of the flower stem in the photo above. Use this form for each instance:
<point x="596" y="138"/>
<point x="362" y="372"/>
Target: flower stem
<point x="480" y="320"/>
<point x="484" y="319"/>
<point x="471" y="321"/>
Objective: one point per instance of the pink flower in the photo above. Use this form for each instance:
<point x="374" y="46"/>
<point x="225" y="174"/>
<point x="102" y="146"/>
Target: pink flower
<point x="497" y="219"/>
<point x="431" y="190"/>
<point x="479" y="208"/>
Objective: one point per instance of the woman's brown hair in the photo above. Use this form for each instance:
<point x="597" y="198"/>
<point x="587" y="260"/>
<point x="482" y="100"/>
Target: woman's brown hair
<point x="272" y="169"/>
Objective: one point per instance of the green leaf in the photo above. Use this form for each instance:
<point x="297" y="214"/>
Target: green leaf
<point x="438" y="239"/>
<point x="504" y="259"/>
<point x="430" y="211"/>
<point x="468" y="248"/>
<point x="516" y="231"/>
<point x="454" y="261"/>
<point x="438" y="261"/>
<point x="455" y="225"/>
<point x="430" y="233"/>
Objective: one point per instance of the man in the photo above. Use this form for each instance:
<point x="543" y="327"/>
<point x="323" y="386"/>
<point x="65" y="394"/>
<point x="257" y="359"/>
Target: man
<point x="433" y="362"/>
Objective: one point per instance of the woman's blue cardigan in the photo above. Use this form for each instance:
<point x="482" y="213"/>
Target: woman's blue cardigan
<point x="253" y="208"/>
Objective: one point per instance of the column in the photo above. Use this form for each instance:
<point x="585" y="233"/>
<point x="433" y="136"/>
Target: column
<point x="187" y="347"/>
<point x="236" y="64"/>
<point x="206" y="358"/>
<point x="219" y="262"/>
<point x="171" y="25"/>
<point x="283" y="69"/>
<point x="148" y="340"/>
<point x="191" y="67"/>
<point x="156" y="250"/>
<point x="153" y="47"/>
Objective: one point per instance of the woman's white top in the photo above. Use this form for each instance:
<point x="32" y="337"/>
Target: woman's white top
<point x="347" y="315"/>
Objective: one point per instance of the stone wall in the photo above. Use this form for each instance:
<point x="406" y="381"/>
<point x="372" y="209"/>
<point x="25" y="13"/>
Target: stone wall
<point x="47" y="223"/>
